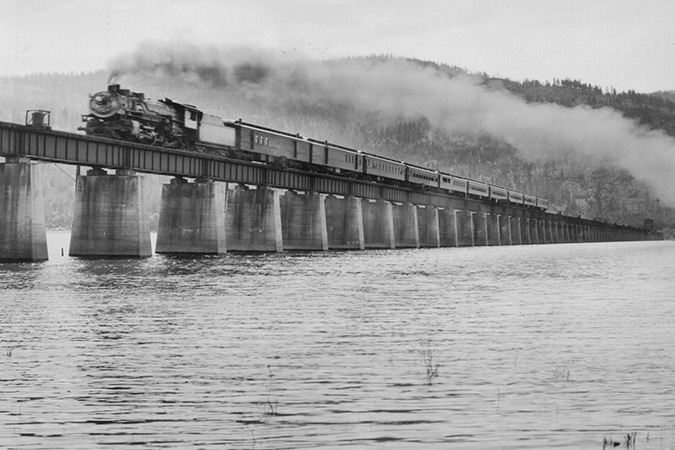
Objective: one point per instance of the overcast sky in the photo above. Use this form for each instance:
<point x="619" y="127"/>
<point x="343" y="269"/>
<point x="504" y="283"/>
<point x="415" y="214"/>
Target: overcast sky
<point x="626" y="44"/>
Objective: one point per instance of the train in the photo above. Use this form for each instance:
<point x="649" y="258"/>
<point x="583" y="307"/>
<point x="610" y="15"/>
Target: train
<point x="125" y="115"/>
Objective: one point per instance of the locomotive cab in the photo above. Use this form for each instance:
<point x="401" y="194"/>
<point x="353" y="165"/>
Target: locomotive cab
<point x="191" y="119"/>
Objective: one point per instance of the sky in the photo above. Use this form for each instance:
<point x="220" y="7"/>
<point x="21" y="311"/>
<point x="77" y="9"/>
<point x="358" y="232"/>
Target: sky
<point x="624" y="44"/>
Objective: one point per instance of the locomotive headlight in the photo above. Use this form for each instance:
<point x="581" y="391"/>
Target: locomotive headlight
<point x="104" y="104"/>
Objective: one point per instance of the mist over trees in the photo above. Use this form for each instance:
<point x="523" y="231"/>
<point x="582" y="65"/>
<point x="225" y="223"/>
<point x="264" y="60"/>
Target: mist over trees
<point x="571" y="185"/>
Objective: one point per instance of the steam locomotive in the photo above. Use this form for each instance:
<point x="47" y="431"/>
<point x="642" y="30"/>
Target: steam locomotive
<point x="125" y="115"/>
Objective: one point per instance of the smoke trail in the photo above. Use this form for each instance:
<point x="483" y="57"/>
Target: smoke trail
<point x="459" y="104"/>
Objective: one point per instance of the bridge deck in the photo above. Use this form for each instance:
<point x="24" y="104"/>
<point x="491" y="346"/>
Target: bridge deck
<point x="76" y="149"/>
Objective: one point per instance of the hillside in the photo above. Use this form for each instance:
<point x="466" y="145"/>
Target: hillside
<point x="573" y="186"/>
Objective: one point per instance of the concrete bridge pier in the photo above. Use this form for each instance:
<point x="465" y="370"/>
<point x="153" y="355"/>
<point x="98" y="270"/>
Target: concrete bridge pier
<point x="110" y="217"/>
<point x="191" y="218"/>
<point x="505" y="231"/>
<point x="493" y="235"/>
<point x="303" y="221"/>
<point x="548" y="231"/>
<point x="556" y="232"/>
<point x="508" y="230"/>
<point x="406" y="225"/>
<point x="447" y="224"/>
<point x="428" y="225"/>
<point x="23" y="236"/>
<point x="566" y="233"/>
<point x="516" y="230"/>
<point x="560" y="230"/>
<point x="480" y="223"/>
<point x="541" y="231"/>
<point x="574" y="233"/>
<point x="344" y="223"/>
<point x="378" y="224"/>
<point x="465" y="229"/>
<point x="534" y="231"/>
<point x="536" y="236"/>
<point x="528" y="231"/>
<point x="253" y="220"/>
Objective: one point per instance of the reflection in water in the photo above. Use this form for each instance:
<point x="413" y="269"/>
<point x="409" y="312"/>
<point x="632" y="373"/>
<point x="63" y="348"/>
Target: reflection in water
<point x="535" y="347"/>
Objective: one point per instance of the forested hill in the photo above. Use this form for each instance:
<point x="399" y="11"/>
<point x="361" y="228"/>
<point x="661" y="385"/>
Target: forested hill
<point x="654" y="111"/>
<point x="572" y="186"/>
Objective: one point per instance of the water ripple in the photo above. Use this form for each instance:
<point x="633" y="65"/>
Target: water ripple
<point x="535" y="347"/>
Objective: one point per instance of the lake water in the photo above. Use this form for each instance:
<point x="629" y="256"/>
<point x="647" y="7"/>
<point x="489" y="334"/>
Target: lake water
<point x="524" y="347"/>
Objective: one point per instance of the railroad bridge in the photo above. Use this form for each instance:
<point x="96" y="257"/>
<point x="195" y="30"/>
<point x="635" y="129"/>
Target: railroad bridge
<point x="269" y="209"/>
